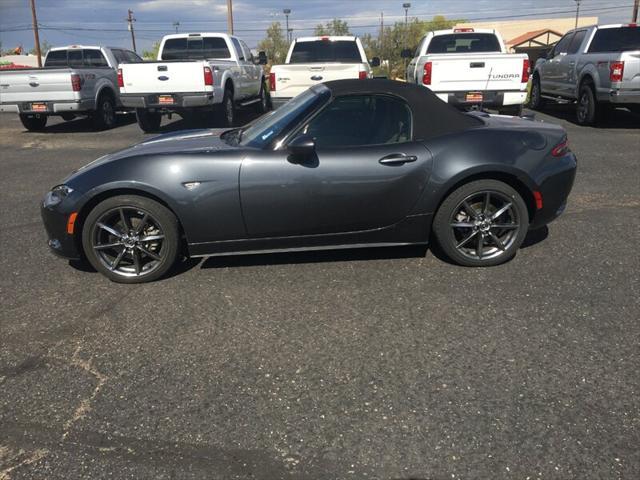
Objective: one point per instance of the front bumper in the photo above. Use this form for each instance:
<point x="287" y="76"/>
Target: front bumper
<point x="555" y="191"/>
<point x="180" y="100"/>
<point x="53" y="107"/>
<point x="60" y="242"/>
<point x="492" y="99"/>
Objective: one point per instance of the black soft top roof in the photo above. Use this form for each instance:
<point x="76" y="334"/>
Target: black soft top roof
<point x="431" y="116"/>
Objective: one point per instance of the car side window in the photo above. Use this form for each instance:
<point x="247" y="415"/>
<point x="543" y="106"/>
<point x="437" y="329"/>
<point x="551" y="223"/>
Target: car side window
<point x="574" y="46"/>
<point x="360" y="120"/>
<point x="563" y="44"/>
<point x="120" y="55"/>
<point x="238" y="48"/>
<point x="247" y="52"/>
<point x="94" y="58"/>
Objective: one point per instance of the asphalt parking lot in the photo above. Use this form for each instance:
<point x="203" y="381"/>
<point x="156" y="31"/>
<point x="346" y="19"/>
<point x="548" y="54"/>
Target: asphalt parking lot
<point x="383" y="363"/>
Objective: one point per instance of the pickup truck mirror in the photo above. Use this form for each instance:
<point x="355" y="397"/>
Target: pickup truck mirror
<point x="375" y="62"/>
<point x="302" y="146"/>
<point x="406" y="53"/>
<point x="262" y="58"/>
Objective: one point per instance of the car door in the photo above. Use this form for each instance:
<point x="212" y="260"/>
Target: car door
<point x="244" y="74"/>
<point x="567" y="66"/>
<point x="254" y="71"/>
<point x="367" y="173"/>
<point x="550" y="78"/>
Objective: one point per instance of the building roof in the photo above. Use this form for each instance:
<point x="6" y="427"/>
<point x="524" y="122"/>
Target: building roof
<point x="532" y="36"/>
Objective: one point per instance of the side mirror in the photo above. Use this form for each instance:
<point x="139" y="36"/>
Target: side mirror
<point x="375" y="62"/>
<point x="406" y="53"/>
<point x="262" y="58"/>
<point x="302" y="146"/>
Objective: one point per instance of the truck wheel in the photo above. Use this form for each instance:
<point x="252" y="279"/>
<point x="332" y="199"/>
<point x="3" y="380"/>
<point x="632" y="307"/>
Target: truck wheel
<point x="149" y="122"/>
<point x="513" y="110"/>
<point x="34" y="122"/>
<point x="536" y="101"/>
<point x="228" y="108"/>
<point x="586" y="107"/>
<point x="263" y="105"/>
<point x="104" y="117"/>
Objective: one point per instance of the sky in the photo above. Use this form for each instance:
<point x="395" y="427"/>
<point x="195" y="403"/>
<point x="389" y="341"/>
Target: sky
<point x="103" y="22"/>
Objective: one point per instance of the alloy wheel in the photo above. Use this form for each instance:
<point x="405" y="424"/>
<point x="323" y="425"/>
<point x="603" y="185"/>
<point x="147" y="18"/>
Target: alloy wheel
<point x="583" y="107"/>
<point x="128" y="241"/>
<point x="485" y="224"/>
<point x="108" y="114"/>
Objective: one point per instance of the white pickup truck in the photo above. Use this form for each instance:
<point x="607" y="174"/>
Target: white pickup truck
<point x="75" y="80"/>
<point x="194" y="72"/>
<point x="314" y="60"/>
<point x="470" y="68"/>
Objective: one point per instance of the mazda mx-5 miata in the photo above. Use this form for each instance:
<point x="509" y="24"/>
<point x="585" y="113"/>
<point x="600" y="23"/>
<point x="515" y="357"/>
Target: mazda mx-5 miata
<point x="348" y="163"/>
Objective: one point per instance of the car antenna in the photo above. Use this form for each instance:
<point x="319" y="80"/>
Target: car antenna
<point x="486" y="86"/>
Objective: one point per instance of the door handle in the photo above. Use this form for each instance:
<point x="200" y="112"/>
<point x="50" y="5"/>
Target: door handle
<point x="397" y="159"/>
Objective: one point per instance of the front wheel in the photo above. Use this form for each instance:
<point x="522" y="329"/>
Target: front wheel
<point x="149" y="122"/>
<point x="131" y="239"/>
<point x="34" y="122"/>
<point x="482" y="223"/>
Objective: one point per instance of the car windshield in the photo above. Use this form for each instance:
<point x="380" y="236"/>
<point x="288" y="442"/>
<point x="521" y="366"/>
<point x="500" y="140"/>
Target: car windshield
<point x="320" y="51"/>
<point x="464" y="43"/>
<point x="269" y="127"/>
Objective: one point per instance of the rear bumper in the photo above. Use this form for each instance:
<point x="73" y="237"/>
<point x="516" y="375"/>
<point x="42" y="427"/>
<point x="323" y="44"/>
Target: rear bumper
<point x="490" y="98"/>
<point x="180" y="100"/>
<point x="53" y="107"/>
<point x="277" y="102"/>
<point x="555" y="190"/>
<point x="621" y="97"/>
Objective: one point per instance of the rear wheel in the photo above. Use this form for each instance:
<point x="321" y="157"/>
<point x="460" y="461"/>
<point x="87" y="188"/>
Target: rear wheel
<point x="148" y="121"/>
<point x="482" y="223"/>
<point x="33" y="122"/>
<point x="536" y="101"/>
<point x="104" y="117"/>
<point x="228" y="108"/>
<point x="131" y="239"/>
<point x="586" y="107"/>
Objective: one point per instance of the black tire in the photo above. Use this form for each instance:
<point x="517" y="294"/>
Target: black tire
<point x="149" y="122"/>
<point x="228" y="108"/>
<point x="155" y="257"/>
<point x="513" y="110"/>
<point x="586" y="106"/>
<point x="459" y="232"/>
<point x="263" y="105"/>
<point x="104" y="117"/>
<point x="34" y="122"/>
<point x="536" y="102"/>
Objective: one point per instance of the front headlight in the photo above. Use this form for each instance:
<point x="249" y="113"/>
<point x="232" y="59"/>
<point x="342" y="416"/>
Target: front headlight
<point x="56" y="195"/>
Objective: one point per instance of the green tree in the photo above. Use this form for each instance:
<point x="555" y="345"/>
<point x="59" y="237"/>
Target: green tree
<point x="275" y="44"/>
<point x="44" y="48"/>
<point x="335" y="27"/>
<point x="151" y="54"/>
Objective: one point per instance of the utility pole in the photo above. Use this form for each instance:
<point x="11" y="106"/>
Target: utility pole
<point x="130" y="20"/>
<point x="230" y="17"/>
<point x="577" y="11"/>
<point x="176" y="25"/>
<point x="286" y="12"/>
<point x="406" y="7"/>
<point x="634" y="15"/>
<point x="35" y="32"/>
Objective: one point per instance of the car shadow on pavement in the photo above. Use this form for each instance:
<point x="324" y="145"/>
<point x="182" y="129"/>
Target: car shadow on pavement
<point x="82" y="125"/>
<point x="214" y="120"/>
<point x="618" y="118"/>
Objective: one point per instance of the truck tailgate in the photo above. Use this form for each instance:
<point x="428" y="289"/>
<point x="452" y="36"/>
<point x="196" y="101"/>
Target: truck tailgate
<point x="36" y="85"/>
<point x="163" y="77"/>
<point x="482" y="71"/>
<point x="631" y="76"/>
<point x="294" y="79"/>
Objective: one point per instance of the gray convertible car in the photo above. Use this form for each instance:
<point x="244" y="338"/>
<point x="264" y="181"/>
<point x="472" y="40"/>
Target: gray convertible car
<point x="350" y="163"/>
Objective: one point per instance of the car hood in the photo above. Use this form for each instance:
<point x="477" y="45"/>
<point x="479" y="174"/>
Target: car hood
<point x="184" y="141"/>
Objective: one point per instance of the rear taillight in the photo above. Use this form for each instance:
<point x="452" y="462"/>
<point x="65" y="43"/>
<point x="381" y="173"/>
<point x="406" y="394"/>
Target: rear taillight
<point x="272" y="81"/>
<point x="120" y="78"/>
<point x="561" y="148"/>
<point x="525" y="70"/>
<point x="76" y="84"/>
<point x="362" y="75"/>
<point x="208" y="76"/>
<point x="426" y="74"/>
<point x="616" y="70"/>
